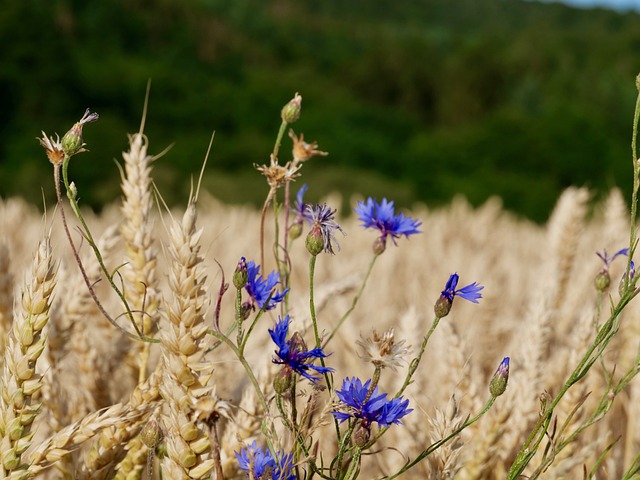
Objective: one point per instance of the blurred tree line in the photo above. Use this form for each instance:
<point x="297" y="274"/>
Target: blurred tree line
<point x="415" y="100"/>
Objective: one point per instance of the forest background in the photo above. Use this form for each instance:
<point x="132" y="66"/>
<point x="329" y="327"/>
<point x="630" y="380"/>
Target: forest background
<point x="414" y="100"/>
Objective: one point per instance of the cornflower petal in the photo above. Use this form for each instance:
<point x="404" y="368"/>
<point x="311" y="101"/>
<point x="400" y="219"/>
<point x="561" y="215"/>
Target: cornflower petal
<point x="295" y="355"/>
<point x="261" y="290"/>
<point x="375" y="409"/>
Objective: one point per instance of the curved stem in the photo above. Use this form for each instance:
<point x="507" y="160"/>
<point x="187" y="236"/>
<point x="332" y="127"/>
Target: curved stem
<point x="83" y="272"/>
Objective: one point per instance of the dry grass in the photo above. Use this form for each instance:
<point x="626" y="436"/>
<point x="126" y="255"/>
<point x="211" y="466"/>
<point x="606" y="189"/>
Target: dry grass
<point x="81" y="406"/>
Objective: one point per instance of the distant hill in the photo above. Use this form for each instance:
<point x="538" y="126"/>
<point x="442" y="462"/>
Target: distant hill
<point x="415" y="100"/>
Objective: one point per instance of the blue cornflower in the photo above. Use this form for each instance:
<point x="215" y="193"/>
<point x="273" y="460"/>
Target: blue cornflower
<point x="471" y="292"/>
<point x="293" y="352"/>
<point x="260" y="289"/>
<point x="323" y="226"/>
<point x="382" y="216"/>
<point x="369" y="408"/>
<point x="260" y="464"/>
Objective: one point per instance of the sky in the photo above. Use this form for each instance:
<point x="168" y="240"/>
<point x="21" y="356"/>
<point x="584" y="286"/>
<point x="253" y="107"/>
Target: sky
<point x="614" y="4"/>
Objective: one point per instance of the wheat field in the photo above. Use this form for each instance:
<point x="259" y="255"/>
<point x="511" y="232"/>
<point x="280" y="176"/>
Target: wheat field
<point x="80" y="399"/>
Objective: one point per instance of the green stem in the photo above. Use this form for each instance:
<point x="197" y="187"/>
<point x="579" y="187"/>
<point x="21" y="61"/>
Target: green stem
<point x="604" y="336"/>
<point x="85" y="276"/>
<point x="353" y="303"/>
<point x="636" y="185"/>
<point x="416" y="361"/>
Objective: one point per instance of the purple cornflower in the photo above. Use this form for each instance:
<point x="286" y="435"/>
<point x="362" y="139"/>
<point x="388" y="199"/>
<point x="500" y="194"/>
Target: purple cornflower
<point x="471" y="292"/>
<point x="382" y="217"/>
<point x="323" y="226"/>
<point x="260" y="289"/>
<point x="293" y="353"/>
<point x="369" y="408"/>
<point x="260" y="464"/>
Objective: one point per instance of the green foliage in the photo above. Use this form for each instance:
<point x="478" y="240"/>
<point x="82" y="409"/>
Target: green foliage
<point x="512" y="98"/>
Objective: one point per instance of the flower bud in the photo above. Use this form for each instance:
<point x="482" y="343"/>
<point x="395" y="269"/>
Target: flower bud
<point x="295" y="230"/>
<point x="380" y="245"/>
<point x="361" y="435"/>
<point x="602" y="281"/>
<point x="72" y="140"/>
<point x="240" y="276"/>
<point x="283" y="380"/>
<point x="499" y="381"/>
<point x="442" y="306"/>
<point x="291" y="111"/>
<point x="315" y="241"/>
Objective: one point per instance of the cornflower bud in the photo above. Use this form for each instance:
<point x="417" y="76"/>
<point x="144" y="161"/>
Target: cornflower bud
<point x="602" y="280"/>
<point x="295" y="230"/>
<point x="72" y="140"/>
<point x="315" y="241"/>
<point x="291" y="111"/>
<point x="241" y="275"/>
<point x="379" y="245"/>
<point x="283" y="380"/>
<point x="499" y="381"/>
<point x="362" y="434"/>
<point x="151" y="434"/>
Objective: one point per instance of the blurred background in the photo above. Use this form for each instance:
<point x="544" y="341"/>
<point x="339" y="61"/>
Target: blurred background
<point x="415" y="100"/>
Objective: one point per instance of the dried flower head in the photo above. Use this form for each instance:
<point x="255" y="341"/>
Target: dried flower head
<point x="276" y="174"/>
<point x="303" y="151"/>
<point x="53" y="148"/>
<point x="383" y="350"/>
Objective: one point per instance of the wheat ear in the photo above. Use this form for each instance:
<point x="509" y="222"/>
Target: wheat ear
<point x="110" y="448"/>
<point x="20" y="383"/>
<point x="139" y="271"/>
<point x="6" y="295"/>
<point x="186" y="385"/>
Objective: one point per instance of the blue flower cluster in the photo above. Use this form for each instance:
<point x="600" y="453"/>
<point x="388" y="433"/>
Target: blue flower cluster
<point x="260" y="289"/>
<point x="294" y="354"/>
<point x="260" y="464"/>
<point x="372" y="407"/>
